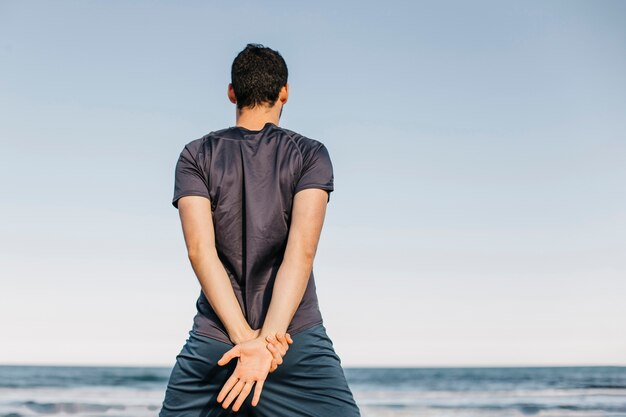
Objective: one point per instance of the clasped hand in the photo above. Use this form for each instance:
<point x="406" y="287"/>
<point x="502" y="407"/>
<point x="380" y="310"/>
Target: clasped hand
<point x="257" y="358"/>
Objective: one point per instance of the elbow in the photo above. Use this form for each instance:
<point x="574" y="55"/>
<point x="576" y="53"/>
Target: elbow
<point x="300" y="255"/>
<point x="299" y="260"/>
<point x="307" y="258"/>
<point x="192" y="256"/>
<point x="196" y="253"/>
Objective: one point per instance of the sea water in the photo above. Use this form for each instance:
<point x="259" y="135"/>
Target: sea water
<point x="380" y="392"/>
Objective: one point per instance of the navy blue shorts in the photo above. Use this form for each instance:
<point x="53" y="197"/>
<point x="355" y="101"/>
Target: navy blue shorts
<point x="309" y="383"/>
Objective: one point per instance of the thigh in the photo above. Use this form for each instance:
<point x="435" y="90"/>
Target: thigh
<point x="196" y="379"/>
<point x="309" y="383"/>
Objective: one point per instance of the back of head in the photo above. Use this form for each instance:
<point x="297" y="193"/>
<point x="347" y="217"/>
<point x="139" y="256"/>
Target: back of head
<point x="257" y="75"/>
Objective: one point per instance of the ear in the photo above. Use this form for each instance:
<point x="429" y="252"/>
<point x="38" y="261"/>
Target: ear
<point x="231" y="94"/>
<point x="283" y="95"/>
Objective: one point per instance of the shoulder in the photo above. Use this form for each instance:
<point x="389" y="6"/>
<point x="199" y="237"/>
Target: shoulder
<point x="202" y="145"/>
<point x="306" y="145"/>
<point x="194" y="145"/>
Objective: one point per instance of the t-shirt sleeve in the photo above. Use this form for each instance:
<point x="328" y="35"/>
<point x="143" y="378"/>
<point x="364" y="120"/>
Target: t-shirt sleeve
<point x="317" y="170"/>
<point x="189" y="178"/>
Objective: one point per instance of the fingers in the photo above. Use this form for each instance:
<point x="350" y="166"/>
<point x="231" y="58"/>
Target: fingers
<point x="240" y="390"/>
<point x="233" y="393"/>
<point x="226" y="388"/>
<point x="278" y="358"/>
<point x="244" y="394"/>
<point x="278" y="345"/>
<point x="257" y="392"/>
<point x="282" y="349"/>
<point x="283" y="345"/>
<point x="232" y="353"/>
<point x="282" y="338"/>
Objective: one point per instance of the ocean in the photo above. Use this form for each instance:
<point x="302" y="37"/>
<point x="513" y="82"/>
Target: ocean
<point x="380" y="392"/>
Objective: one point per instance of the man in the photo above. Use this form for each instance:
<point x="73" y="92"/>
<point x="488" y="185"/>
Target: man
<point x="252" y="200"/>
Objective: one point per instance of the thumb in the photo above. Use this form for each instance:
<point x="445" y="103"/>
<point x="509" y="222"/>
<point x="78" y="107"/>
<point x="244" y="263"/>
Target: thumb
<point x="226" y="357"/>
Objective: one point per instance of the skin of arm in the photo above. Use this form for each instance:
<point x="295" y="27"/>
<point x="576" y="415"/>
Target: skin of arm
<point x="307" y="218"/>
<point x="197" y="224"/>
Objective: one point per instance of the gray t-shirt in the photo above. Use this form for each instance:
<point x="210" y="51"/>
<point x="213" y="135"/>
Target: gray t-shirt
<point x="251" y="177"/>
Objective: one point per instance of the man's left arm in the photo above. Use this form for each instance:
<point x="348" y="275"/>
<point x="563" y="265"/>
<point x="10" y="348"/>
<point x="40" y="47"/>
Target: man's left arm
<point x="198" y="230"/>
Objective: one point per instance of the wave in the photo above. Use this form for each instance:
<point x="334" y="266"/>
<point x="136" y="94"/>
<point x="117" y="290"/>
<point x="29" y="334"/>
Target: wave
<point x="17" y="377"/>
<point x="69" y="407"/>
<point x="523" y="408"/>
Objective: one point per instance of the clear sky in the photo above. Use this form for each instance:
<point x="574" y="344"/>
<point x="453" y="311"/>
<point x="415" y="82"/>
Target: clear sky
<point x="479" y="149"/>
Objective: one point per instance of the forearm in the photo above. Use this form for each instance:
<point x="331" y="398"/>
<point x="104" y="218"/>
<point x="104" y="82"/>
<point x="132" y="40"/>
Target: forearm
<point x="289" y="287"/>
<point x="218" y="290"/>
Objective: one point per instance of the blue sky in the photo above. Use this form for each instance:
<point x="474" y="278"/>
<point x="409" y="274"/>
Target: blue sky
<point x="479" y="211"/>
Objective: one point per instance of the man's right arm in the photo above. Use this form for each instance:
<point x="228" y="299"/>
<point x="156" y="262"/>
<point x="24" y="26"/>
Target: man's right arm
<point x="197" y="223"/>
<point x="309" y="210"/>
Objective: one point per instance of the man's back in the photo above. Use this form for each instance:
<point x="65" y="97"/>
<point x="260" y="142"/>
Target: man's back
<point x="252" y="248"/>
<point x="251" y="178"/>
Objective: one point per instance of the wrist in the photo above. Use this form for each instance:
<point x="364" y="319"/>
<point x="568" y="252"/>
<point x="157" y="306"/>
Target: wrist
<point x="263" y="333"/>
<point x="243" y="335"/>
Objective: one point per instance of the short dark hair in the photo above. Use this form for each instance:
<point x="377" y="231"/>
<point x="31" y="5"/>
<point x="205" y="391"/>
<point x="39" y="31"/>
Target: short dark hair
<point x="257" y="75"/>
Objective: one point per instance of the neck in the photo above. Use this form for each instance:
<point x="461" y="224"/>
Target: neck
<point x="255" y="118"/>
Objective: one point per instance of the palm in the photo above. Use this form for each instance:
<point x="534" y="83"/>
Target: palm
<point x="255" y="360"/>
<point x="253" y="366"/>
<point x="278" y="344"/>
